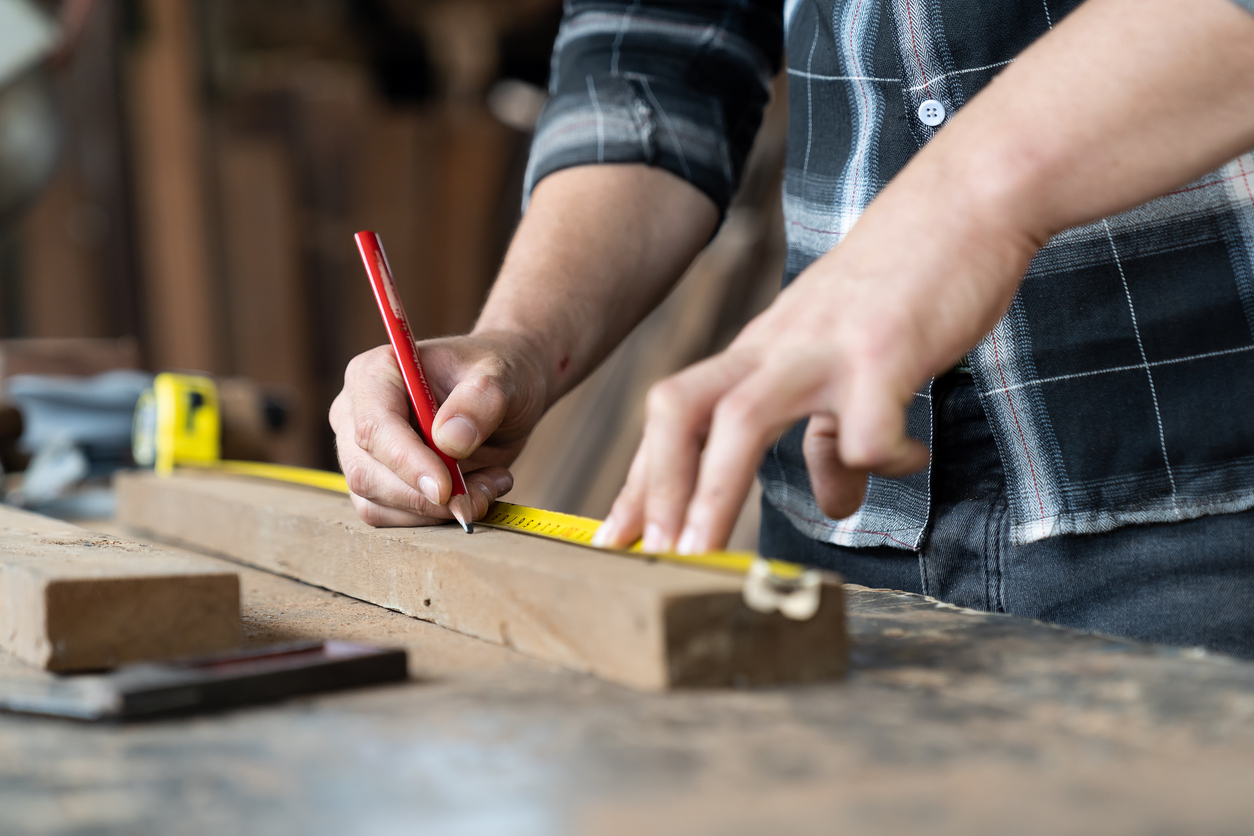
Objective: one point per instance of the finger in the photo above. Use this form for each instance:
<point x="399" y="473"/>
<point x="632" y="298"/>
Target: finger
<point x="500" y="478"/>
<point x="679" y="414"/>
<point x="744" y="422"/>
<point x="837" y="489"/>
<point x="623" y="525"/>
<point x="485" y="486"/>
<point x="371" y="481"/>
<point x="471" y="413"/>
<point x="379" y="516"/>
<point x="873" y="429"/>
<point x="379" y="425"/>
<point x="399" y="505"/>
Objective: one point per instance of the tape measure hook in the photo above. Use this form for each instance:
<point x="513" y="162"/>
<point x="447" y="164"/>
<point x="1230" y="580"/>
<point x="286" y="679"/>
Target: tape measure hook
<point x="795" y="598"/>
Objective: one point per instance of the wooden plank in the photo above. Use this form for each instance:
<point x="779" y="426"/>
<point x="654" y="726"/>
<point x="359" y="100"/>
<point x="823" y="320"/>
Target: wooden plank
<point x="650" y="626"/>
<point x="71" y="599"/>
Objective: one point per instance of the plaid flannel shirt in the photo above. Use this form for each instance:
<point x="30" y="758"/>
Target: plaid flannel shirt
<point x="1119" y="385"/>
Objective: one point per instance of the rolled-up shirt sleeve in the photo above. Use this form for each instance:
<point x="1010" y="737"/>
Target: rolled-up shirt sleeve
<point x="678" y="85"/>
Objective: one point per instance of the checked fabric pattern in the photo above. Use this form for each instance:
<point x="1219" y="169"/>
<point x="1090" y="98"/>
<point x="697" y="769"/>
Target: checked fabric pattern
<point x="1120" y="384"/>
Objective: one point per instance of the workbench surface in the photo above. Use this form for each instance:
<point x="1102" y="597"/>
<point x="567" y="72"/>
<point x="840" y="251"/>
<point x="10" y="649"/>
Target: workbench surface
<point x="949" y="722"/>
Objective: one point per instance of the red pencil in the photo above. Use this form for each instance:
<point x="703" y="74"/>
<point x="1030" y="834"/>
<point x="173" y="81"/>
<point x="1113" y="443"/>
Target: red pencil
<point x="402" y="338"/>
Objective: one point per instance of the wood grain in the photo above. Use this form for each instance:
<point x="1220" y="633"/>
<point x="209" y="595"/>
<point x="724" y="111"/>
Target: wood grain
<point x="650" y="626"/>
<point x="71" y="599"/>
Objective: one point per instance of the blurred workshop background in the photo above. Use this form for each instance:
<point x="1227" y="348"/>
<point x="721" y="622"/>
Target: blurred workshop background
<point x="179" y="185"/>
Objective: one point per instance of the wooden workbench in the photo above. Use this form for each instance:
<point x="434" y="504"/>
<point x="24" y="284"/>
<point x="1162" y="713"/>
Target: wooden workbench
<point x="951" y="722"/>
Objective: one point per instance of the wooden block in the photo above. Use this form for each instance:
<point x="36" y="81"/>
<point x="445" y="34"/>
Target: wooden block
<point x="648" y="625"/>
<point x="71" y="599"/>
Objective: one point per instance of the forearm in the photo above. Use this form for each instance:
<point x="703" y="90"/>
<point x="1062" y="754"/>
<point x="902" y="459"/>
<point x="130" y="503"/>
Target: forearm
<point x="598" y="248"/>
<point x="1122" y="102"/>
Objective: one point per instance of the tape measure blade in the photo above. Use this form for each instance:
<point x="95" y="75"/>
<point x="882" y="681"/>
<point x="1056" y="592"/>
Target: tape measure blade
<point x="570" y="528"/>
<point x="557" y="526"/>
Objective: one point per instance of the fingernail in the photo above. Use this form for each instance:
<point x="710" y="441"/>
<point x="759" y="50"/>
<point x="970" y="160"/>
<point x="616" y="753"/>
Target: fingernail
<point x="504" y="484"/>
<point x="487" y="493"/>
<point x="457" y="435"/>
<point x="654" y="539"/>
<point x="604" y="534"/>
<point x="688" y="542"/>
<point x="429" y="488"/>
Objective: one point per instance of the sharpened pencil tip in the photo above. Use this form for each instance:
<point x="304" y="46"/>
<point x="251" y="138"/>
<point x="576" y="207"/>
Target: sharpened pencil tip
<point x="459" y="506"/>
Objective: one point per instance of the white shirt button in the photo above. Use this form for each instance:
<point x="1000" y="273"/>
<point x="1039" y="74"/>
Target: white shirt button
<point x="931" y="113"/>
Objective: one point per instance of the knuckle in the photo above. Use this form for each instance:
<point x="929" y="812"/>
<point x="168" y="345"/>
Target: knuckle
<point x="357" y="475"/>
<point x="739" y="410"/>
<point x="665" y="398"/>
<point x="366" y="510"/>
<point x="482" y="393"/>
<point x="867" y="455"/>
<point x="352" y="369"/>
<point x="373" y="515"/>
<point x="356" y="366"/>
<point x="399" y="458"/>
<point x="819" y="448"/>
<point x="486" y="385"/>
<point x="368" y="363"/>
<point x="365" y="431"/>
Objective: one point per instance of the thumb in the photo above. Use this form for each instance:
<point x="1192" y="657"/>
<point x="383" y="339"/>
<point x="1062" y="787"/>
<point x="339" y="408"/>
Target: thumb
<point x="471" y="413"/>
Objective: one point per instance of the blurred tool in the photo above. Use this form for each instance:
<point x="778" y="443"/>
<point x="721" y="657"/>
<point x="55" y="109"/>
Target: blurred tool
<point x="209" y="683"/>
<point x="74" y="429"/>
<point x="92" y="412"/>
<point x="31" y="126"/>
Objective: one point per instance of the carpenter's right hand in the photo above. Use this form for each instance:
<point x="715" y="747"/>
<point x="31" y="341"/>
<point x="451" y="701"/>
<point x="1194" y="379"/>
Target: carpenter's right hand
<point x="492" y="392"/>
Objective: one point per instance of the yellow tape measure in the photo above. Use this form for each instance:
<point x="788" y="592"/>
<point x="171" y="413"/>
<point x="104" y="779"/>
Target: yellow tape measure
<point x="178" y="424"/>
<point x="567" y="528"/>
<point x="570" y="528"/>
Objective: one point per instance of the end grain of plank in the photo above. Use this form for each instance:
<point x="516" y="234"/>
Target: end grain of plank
<point x="73" y="600"/>
<point x="647" y="625"/>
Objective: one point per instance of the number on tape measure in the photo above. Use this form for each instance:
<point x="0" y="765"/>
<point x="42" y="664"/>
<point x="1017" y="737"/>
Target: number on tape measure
<point x="566" y="527"/>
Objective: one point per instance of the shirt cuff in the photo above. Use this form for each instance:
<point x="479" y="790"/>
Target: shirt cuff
<point x="633" y="118"/>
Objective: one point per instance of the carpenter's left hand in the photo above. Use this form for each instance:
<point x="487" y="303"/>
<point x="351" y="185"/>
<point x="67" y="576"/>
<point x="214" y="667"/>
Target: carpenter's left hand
<point x="847" y="344"/>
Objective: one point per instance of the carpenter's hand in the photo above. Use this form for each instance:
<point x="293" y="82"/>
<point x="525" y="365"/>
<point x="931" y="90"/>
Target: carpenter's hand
<point x="491" y="396"/>
<point x="848" y="344"/>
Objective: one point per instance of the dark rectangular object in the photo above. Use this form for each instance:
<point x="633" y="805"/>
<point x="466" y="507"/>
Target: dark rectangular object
<point x="208" y="683"/>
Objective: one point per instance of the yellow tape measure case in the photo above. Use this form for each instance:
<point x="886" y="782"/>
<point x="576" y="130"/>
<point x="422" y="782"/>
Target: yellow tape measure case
<point x="178" y="420"/>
